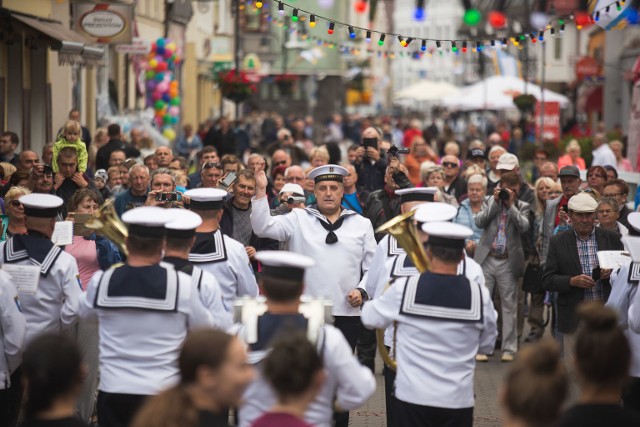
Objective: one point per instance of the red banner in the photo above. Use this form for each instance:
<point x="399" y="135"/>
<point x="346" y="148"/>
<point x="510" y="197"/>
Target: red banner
<point x="549" y="127"/>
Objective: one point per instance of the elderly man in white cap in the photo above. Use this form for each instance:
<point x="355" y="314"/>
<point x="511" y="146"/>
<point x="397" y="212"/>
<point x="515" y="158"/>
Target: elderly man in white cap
<point x="572" y="269"/>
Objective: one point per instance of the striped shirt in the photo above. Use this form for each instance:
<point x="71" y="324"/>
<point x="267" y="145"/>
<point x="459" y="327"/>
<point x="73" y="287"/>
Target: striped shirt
<point x="588" y="254"/>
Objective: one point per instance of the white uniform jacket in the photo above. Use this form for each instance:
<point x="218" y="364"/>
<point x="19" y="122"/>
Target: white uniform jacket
<point x="339" y="266"/>
<point x="225" y="259"/>
<point x="13" y="330"/>
<point x="348" y="383"/>
<point x="54" y="305"/>
<point x="622" y="295"/>
<point x="144" y="314"/>
<point x="443" y="322"/>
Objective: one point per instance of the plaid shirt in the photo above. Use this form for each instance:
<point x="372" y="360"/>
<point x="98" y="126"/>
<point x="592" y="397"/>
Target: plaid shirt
<point x="588" y="254"/>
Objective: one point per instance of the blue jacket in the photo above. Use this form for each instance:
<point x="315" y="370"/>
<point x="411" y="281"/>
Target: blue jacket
<point x="108" y="253"/>
<point x="465" y="217"/>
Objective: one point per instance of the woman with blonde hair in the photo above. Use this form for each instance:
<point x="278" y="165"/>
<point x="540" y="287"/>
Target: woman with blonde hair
<point x="434" y="177"/>
<point x="623" y="164"/>
<point x="13" y="222"/>
<point x="572" y="156"/>
<point x="319" y="156"/>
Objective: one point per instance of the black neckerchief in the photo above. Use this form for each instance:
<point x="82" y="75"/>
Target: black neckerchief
<point x="36" y="246"/>
<point x="327" y="225"/>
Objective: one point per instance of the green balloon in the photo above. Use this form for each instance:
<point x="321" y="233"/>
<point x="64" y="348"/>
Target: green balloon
<point x="159" y="105"/>
<point x="175" y="101"/>
<point x="166" y="119"/>
<point x="150" y="74"/>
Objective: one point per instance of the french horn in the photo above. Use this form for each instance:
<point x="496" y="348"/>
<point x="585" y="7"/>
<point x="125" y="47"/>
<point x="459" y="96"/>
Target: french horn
<point x="107" y="223"/>
<point x="403" y="229"/>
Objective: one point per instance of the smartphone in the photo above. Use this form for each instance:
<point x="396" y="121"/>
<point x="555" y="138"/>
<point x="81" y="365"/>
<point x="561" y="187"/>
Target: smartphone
<point x="595" y="273"/>
<point x="79" y="221"/>
<point x="565" y="208"/>
<point x="370" y="142"/>
<point x="229" y="179"/>
<point x="166" y="197"/>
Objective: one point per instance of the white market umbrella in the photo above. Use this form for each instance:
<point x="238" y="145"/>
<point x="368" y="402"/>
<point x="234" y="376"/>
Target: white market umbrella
<point x="497" y="93"/>
<point x="427" y="90"/>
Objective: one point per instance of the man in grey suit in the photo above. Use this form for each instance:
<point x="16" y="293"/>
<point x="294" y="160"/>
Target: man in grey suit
<point x="501" y="255"/>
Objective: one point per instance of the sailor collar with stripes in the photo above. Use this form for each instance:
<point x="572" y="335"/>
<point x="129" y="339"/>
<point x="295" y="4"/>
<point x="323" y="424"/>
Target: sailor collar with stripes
<point x="209" y="247"/>
<point x="393" y="248"/>
<point x="39" y="250"/>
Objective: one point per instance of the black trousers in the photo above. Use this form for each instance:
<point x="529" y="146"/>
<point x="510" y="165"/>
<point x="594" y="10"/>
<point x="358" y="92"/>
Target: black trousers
<point x="389" y="393"/>
<point x="118" y="409"/>
<point x="366" y="348"/>
<point x="350" y="328"/>
<point x="411" y="415"/>
<point x="631" y="395"/>
<point x="10" y="401"/>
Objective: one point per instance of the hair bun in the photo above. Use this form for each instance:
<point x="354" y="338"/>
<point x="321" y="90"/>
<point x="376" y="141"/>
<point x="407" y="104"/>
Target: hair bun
<point x="545" y="359"/>
<point x="596" y="317"/>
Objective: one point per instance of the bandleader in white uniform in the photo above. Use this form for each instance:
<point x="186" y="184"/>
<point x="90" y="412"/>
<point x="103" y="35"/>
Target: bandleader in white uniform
<point x="348" y="384"/>
<point x="340" y="240"/>
<point x="224" y="258"/>
<point x="50" y="291"/>
<point x="144" y="309"/>
<point x="13" y="329"/>
<point x="444" y="319"/>
<point x="180" y="237"/>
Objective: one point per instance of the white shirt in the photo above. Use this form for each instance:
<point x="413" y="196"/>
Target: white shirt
<point x="622" y="294"/>
<point x="348" y="383"/>
<point x="54" y="305"/>
<point x="436" y="357"/>
<point x="230" y="266"/>
<point x="603" y="156"/>
<point x="140" y="338"/>
<point x="13" y="330"/>
<point x="339" y="266"/>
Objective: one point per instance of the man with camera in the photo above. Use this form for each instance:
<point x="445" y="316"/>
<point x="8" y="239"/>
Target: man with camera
<point x="501" y="255"/>
<point x="41" y="179"/>
<point x="370" y="165"/>
<point x="163" y="190"/>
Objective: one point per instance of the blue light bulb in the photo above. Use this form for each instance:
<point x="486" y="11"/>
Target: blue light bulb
<point x="419" y="14"/>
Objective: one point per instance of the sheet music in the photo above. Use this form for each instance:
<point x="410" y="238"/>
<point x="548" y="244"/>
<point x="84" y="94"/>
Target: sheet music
<point x="25" y="277"/>
<point x="611" y="260"/>
<point x="63" y="233"/>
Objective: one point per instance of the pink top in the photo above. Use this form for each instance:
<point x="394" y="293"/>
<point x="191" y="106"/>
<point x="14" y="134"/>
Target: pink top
<point x="624" y="165"/>
<point x="86" y="255"/>
<point x="279" y="419"/>
<point x="566" y="160"/>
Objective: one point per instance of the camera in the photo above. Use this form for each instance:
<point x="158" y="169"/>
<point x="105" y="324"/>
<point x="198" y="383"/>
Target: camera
<point x="503" y="195"/>
<point x="394" y="151"/>
<point x="166" y="197"/>
<point x="295" y="200"/>
<point x="370" y="142"/>
<point x="47" y="170"/>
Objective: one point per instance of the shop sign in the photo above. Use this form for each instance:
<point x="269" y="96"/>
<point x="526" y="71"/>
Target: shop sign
<point x="104" y="22"/>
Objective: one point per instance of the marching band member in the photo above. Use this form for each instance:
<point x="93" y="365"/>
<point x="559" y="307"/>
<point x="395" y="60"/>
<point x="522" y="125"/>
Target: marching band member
<point x="444" y="319"/>
<point x="339" y="239"/>
<point x="144" y="309"/>
<point x="348" y="383"/>
<point x="180" y="237"/>
<point x="223" y="257"/>
<point x="14" y="329"/>
<point x="46" y="277"/>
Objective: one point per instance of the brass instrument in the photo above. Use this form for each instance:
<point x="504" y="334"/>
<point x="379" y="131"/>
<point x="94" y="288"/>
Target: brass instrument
<point x="106" y="223"/>
<point x="403" y="229"/>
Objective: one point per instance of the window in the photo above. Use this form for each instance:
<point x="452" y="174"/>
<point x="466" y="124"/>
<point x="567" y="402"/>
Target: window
<point x="557" y="49"/>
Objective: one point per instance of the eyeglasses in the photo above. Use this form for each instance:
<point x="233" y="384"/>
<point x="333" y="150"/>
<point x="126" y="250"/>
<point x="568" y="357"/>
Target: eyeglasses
<point x="449" y="165"/>
<point x="15" y="203"/>
<point x="613" y="194"/>
<point x="596" y="175"/>
<point x="605" y="211"/>
<point x="282" y="162"/>
<point x="211" y="165"/>
<point x="294" y="179"/>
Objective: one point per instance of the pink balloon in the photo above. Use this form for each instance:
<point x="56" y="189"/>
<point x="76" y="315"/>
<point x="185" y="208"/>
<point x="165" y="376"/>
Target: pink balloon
<point x="168" y="53"/>
<point x="156" y="95"/>
<point x="162" y="87"/>
<point x="174" y="111"/>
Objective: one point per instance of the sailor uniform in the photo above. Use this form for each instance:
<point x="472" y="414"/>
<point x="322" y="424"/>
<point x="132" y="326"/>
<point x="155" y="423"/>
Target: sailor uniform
<point x="53" y="305"/>
<point x="13" y="328"/>
<point x="340" y="265"/>
<point x="348" y="383"/>
<point x="225" y="259"/>
<point x="208" y="289"/>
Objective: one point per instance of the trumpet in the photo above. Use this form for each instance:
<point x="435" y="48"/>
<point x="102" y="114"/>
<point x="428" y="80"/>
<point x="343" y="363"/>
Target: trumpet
<point x="106" y="223"/>
<point x="403" y="229"/>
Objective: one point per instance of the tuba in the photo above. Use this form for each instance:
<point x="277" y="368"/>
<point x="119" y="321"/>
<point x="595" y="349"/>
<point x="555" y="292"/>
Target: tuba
<point x="403" y="229"/>
<point x="106" y="223"/>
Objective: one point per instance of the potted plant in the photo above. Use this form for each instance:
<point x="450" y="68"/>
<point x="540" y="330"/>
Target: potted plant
<point x="525" y="102"/>
<point x="285" y="83"/>
<point x="235" y="86"/>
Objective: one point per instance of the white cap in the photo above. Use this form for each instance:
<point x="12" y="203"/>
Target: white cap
<point x="284" y="264"/>
<point x="507" y="161"/>
<point x="290" y="187"/>
<point x="435" y="212"/>
<point x="41" y="205"/>
<point x="447" y="234"/>
<point x="146" y="221"/>
<point x="183" y="223"/>
<point x="206" y="198"/>
<point x="416" y="194"/>
<point x="582" y="202"/>
<point x="634" y="220"/>
<point x="328" y="173"/>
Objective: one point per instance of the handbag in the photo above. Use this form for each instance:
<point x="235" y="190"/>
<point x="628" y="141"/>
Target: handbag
<point x="532" y="279"/>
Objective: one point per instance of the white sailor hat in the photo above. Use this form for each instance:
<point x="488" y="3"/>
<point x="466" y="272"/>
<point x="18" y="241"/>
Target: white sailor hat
<point x="146" y="221"/>
<point x="507" y="161"/>
<point x="582" y="202"/>
<point x="206" y="199"/>
<point x="284" y="264"/>
<point x="433" y="212"/>
<point x="416" y="194"/>
<point x="41" y="205"/>
<point x="291" y="187"/>
<point x="447" y="234"/>
<point x="328" y="173"/>
<point x="183" y="223"/>
<point x="634" y="220"/>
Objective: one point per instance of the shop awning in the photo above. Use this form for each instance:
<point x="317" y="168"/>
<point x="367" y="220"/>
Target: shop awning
<point x="72" y="48"/>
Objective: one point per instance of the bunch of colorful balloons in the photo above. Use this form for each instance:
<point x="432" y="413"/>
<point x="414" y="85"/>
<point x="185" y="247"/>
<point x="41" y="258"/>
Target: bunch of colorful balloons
<point x="163" y="91"/>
